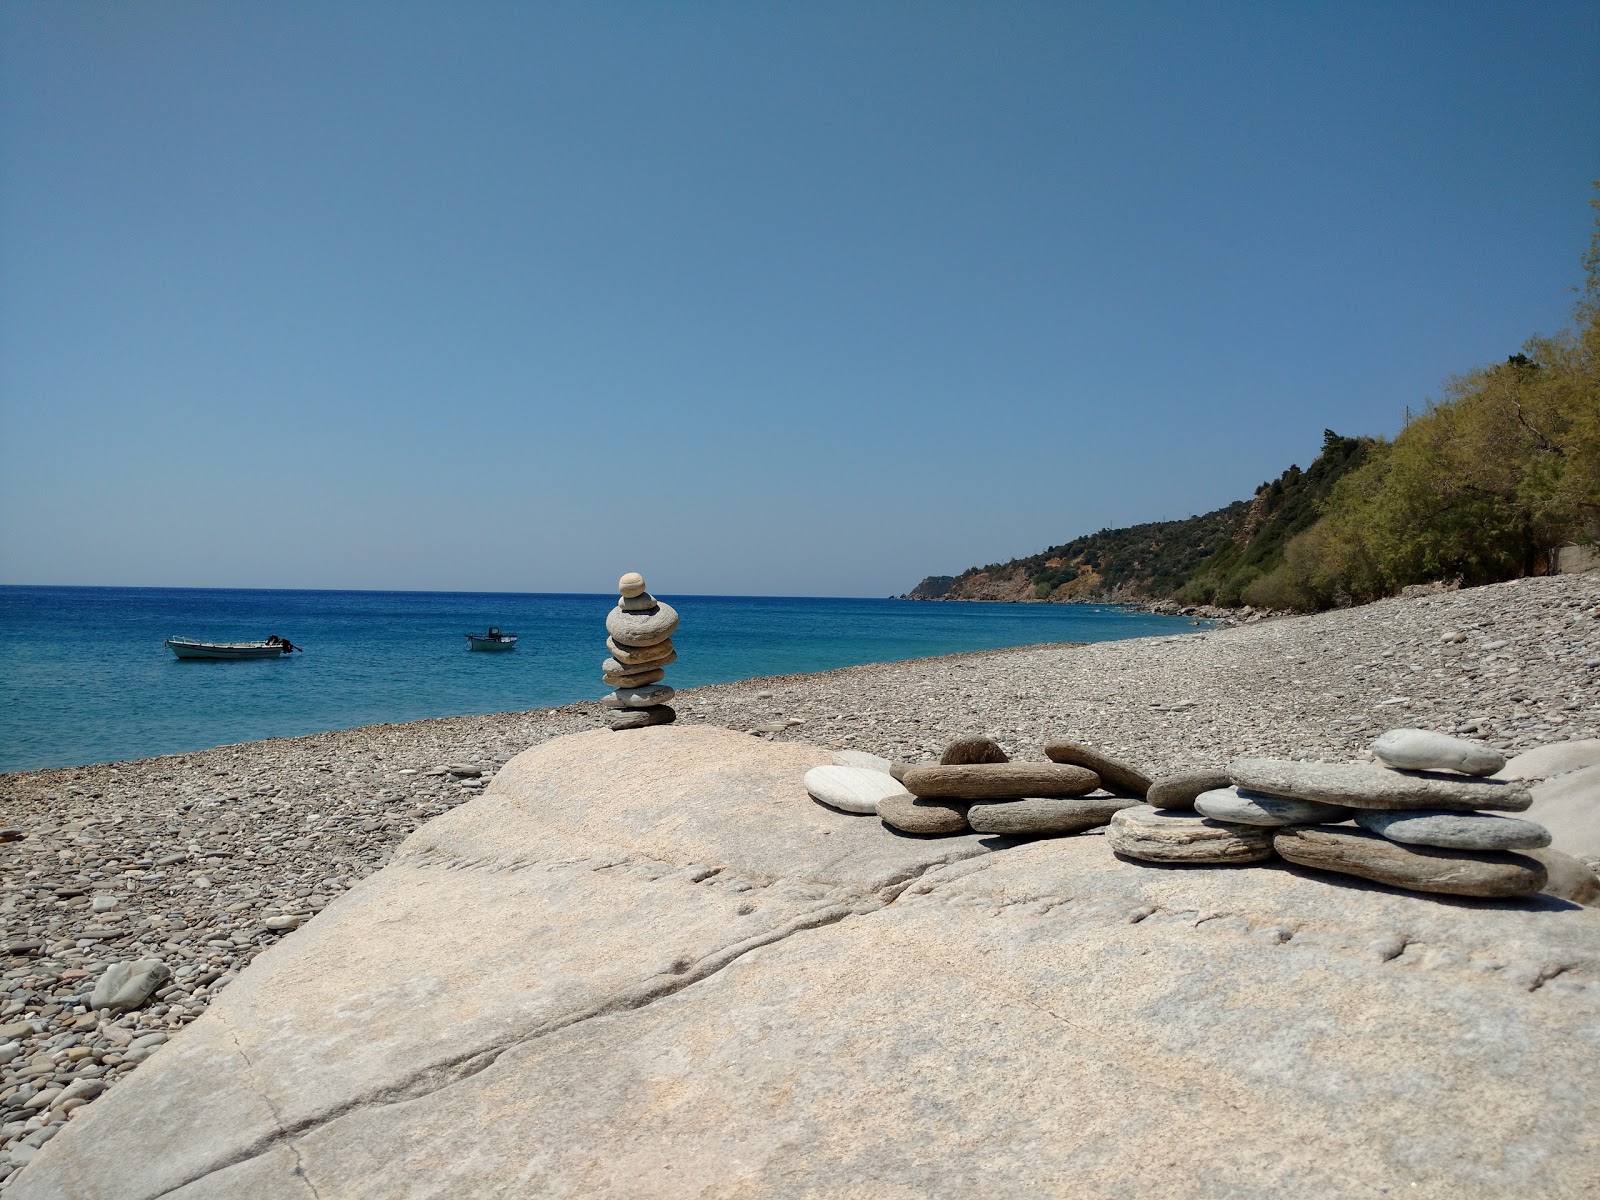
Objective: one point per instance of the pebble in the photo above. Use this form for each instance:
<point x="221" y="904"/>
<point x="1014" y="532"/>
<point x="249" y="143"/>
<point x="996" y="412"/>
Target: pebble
<point x="282" y="922"/>
<point x="1045" y="817"/>
<point x="1000" y="781"/>
<point x="972" y="748"/>
<point x="1455" y="830"/>
<point x="851" y="789"/>
<point x="1425" y="750"/>
<point x="125" y="985"/>
<point x="642" y="629"/>
<point x="463" y="770"/>
<point x="1115" y="775"/>
<point x="1252" y="808"/>
<point x="1492" y="873"/>
<point x="639" y="718"/>
<point x="639" y="697"/>
<point x="1166" y="837"/>
<point x="909" y="814"/>
<point x="1361" y="785"/>
<point x="1178" y="791"/>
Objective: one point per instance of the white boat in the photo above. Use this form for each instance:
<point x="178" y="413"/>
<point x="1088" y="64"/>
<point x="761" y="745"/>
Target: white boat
<point x="495" y="639"/>
<point x="273" y="647"/>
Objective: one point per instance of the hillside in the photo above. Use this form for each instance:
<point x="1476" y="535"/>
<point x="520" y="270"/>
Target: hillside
<point x="1208" y="559"/>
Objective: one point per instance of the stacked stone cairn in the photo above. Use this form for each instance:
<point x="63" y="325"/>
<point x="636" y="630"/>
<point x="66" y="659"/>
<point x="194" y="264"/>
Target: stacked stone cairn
<point x="1423" y="817"/>
<point x="640" y="642"/>
<point x="975" y="787"/>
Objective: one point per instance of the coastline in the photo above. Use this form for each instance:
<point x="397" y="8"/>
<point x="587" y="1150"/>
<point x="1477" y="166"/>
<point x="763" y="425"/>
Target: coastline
<point x="211" y="856"/>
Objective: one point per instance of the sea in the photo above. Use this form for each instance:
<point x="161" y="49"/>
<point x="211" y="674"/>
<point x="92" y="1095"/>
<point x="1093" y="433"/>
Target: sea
<point x="85" y="676"/>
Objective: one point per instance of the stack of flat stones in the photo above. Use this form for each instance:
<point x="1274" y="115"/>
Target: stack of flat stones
<point x="1424" y="817"/>
<point x="640" y="631"/>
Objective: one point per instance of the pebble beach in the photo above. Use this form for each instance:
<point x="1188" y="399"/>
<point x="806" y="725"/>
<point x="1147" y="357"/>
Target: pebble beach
<point x="199" y="861"/>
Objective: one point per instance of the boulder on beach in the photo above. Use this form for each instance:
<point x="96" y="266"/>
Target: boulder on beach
<point x="653" y="965"/>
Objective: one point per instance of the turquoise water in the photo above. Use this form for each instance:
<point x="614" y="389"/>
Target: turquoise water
<point x="84" y="676"/>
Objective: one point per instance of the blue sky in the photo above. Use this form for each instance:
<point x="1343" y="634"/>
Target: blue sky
<point x="806" y="299"/>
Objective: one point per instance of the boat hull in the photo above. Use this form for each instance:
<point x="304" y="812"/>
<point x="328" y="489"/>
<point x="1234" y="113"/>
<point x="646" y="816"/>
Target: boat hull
<point x="223" y="650"/>
<point x="482" y="643"/>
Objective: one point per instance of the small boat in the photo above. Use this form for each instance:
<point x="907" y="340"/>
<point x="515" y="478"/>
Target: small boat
<point x="495" y="639"/>
<point x="273" y="647"/>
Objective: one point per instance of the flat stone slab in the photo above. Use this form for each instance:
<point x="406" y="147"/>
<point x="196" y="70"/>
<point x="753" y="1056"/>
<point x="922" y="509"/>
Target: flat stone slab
<point x="1001" y="781"/>
<point x="1455" y="830"/>
<point x="1568" y="805"/>
<point x="641" y="718"/>
<point x="860" y="758"/>
<point x="1419" y="868"/>
<point x="1359" y="785"/>
<point x="647" y="696"/>
<point x="639" y="657"/>
<point x="851" y="789"/>
<point x="634" y="629"/>
<point x="1558" y="758"/>
<point x="1243" y="807"/>
<point x="1425" y="750"/>
<point x="1179" y="790"/>
<point x="633" y="679"/>
<point x="1165" y="837"/>
<point x="1040" y="817"/>
<point x="653" y="966"/>
<point x="1117" y="776"/>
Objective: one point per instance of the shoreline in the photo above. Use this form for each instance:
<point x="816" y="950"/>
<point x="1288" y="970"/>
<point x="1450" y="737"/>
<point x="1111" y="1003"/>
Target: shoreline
<point x="203" y="859"/>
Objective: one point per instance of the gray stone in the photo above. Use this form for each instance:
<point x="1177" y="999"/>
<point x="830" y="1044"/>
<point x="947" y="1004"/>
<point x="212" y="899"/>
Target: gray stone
<point x="999" y="781"/>
<point x="1490" y="873"/>
<point x="282" y="922"/>
<point x="860" y="758"/>
<point x="898" y="768"/>
<point x="1360" y="785"/>
<point x="644" y="602"/>
<point x="102" y="904"/>
<point x="1455" y="830"/>
<point x="648" y="696"/>
<point x="1042" y="817"/>
<point x="1425" y="750"/>
<point x="674" y="951"/>
<point x="852" y="789"/>
<point x="463" y="770"/>
<point x="1568" y="805"/>
<point x="909" y="814"/>
<point x="641" y="718"/>
<point x="641" y="656"/>
<point x="634" y="679"/>
<point x="127" y="985"/>
<point x="1558" y="758"/>
<point x="1115" y="775"/>
<point x="972" y="748"/>
<point x="642" y="629"/>
<point x="1178" y="790"/>
<point x="1144" y="833"/>
<point x="1244" y="807"/>
<point x="613" y="666"/>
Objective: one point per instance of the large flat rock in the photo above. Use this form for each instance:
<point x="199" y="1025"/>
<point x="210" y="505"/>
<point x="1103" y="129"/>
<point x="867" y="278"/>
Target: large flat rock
<point x="647" y="964"/>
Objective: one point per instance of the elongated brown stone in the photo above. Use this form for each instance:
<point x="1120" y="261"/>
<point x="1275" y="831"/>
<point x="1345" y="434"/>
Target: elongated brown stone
<point x="1168" y="837"/>
<point x="1125" y="779"/>
<point x="641" y="656"/>
<point x="1000" y="781"/>
<point x="1420" y="868"/>
<point x="910" y="815"/>
<point x="1046" y="818"/>
<point x="1360" y="785"/>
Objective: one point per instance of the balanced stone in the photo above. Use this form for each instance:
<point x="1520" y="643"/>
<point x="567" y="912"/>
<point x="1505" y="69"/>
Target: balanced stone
<point x="1425" y="750"/>
<point x="639" y="718"/>
<point x="972" y="748"/>
<point x="1045" y="817"/>
<point x="1000" y="781"/>
<point x="853" y="789"/>
<point x="909" y="814"/>
<point x="860" y="758"/>
<point x="1143" y="833"/>
<point x="1117" y="776"/>
<point x="644" y="602"/>
<point x="633" y="679"/>
<point x="1361" y="785"/>
<point x="898" y="769"/>
<point x="126" y="985"/>
<point x="1455" y="830"/>
<point x="641" y="656"/>
<point x="1178" y="791"/>
<point x="642" y="629"/>
<point x="648" y="696"/>
<point x="631" y="584"/>
<point x="615" y="666"/>
<point x="1244" y="807"/>
<point x="1356" y="852"/>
